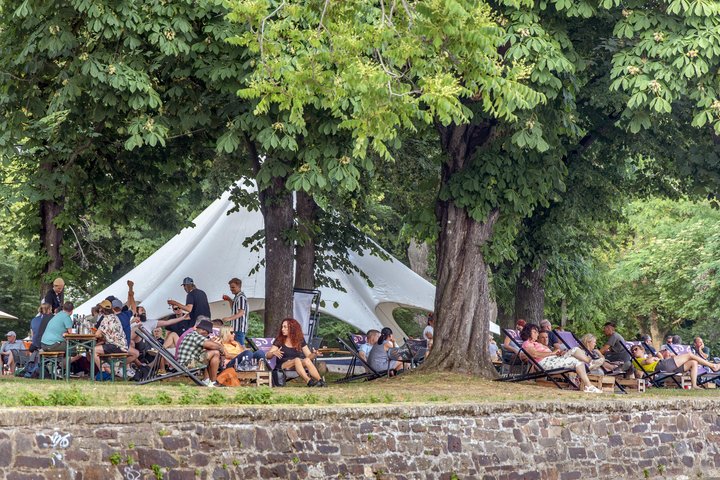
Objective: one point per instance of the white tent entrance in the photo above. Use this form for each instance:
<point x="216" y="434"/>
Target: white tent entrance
<point x="212" y="252"/>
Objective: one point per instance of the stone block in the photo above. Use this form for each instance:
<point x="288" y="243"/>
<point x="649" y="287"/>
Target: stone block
<point x="454" y="444"/>
<point x="175" y="443"/>
<point x="35" y="462"/>
<point x="148" y="457"/>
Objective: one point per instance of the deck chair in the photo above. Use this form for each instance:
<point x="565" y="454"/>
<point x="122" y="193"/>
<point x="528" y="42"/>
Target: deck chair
<point x="264" y="344"/>
<point x="512" y="363"/>
<point x="705" y="375"/>
<point x="570" y="340"/>
<point x="556" y="375"/>
<point x="21" y="358"/>
<point x="418" y="349"/>
<point x="352" y="346"/>
<point x="370" y="373"/>
<point x="655" y="378"/>
<point x="153" y="376"/>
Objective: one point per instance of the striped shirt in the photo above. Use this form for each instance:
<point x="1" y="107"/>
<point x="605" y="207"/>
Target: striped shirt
<point x="240" y="303"/>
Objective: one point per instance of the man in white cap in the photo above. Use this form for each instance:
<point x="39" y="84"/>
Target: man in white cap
<point x="12" y="344"/>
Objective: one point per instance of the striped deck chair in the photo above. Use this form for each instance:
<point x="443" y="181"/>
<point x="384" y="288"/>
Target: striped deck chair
<point x="570" y="340"/>
<point x="705" y="375"/>
<point x="152" y="375"/>
<point x="558" y="376"/>
<point x="655" y="378"/>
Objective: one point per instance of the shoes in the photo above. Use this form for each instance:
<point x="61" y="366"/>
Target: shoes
<point x="321" y="383"/>
<point x="592" y="389"/>
<point x="312" y="382"/>
<point x="209" y="383"/>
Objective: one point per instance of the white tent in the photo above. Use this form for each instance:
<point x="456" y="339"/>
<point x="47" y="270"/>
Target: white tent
<point x="212" y="253"/>
<point x="7" y="315"/>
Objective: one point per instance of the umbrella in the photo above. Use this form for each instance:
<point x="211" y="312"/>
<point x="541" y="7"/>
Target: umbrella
<point x="7" y="315"/>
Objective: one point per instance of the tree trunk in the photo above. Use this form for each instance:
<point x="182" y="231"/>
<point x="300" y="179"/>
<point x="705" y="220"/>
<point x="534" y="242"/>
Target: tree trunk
<point x="563" y="313"/>
<point x="276" y="204"/>
<point x="418" y="254"/>
<point x="462" y="298"/>
<point x="530" y="294"/>
<point x="305" y="248"/>
<point x="505" y="318"/>
<point x="655" y="329"/>
<point x="50" y="235"/>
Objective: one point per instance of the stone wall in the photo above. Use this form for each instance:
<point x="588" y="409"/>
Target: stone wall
<point x="594" y="439"/>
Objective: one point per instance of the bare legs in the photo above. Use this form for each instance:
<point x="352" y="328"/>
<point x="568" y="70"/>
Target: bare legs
<point x="300" y="365"/>
<point x="680" y="360"/>
<point x="213" y="357"/>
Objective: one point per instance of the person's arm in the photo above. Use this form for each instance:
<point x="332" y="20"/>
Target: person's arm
<point x="605" y="348"/>
<point x="131" y="303"/>
<point x="175" y="303"/>
<point x="308" y="354"/>
<point x="171" y="321"/>
<point x="274" y="352"/>
<point x="210" y="345"/>
<point x="239" y="314"/>
<point x="537" y="353"/>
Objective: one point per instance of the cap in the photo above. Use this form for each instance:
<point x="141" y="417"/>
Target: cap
<point x="117" y="303"/>
<point x="105" y="304"/>
<point x="187" y="281"/>
<point x="205" y="325"/>
<point x="11" y="334"/>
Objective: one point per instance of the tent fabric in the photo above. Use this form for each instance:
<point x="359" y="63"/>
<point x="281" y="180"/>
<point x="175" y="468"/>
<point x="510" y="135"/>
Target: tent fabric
<point x="7" y="315"/>
<point x="212" y="252"/>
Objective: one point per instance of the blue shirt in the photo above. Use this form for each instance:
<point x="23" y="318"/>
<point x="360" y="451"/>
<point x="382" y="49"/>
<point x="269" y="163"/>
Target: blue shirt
<point x="35" y="325"/>
<point x="125" y="316"/>
<point x="55" y="329"/>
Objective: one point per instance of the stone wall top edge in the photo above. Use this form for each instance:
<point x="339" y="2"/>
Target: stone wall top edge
<point x="49" y="416"/>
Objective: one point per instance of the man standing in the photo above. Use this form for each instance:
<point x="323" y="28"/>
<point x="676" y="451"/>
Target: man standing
<point x="238" y="310"/>
<point x="196" y="350"/>
<point x="53" y="339"/>
<point x="12" y="344"/>
<point x="196" y="304"/>
<point x="614" y="350"/>
<point x="56" y="295"/>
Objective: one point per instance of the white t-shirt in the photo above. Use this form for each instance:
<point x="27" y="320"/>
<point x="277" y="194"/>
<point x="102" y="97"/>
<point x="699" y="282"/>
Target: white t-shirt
<point x="429" y="329"/>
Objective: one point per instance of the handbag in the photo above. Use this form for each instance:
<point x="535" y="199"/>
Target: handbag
<point x="278" y="377"/>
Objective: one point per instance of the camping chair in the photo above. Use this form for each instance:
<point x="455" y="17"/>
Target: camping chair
<point x="655" y="378"/>
<point x="536" y="371"/>
<point x="370" y="373"/>
<point x="570" y="340"/>
<point x="355" y="341"/>
<point x="264" y="344"/>
<point x="705" y="375"/>
<point x="21" y="358"/>
<point x="152" y="375"/>
<point x="418" y="350"/>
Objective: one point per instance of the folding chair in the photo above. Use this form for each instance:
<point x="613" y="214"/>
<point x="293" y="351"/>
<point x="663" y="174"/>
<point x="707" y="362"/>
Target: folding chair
<point x="180" y="369"/>
<point x="355" y="341"/>
<point x="570" y="341"/>
<point x="516" y="365"/>
<point x="655" y="378"/>
<point x="21" y="358"/>
<point x="705" y="375"/>
<point x="370" y="373"/>
<point x="418" y="349"/>
<point x="536" y="371"/>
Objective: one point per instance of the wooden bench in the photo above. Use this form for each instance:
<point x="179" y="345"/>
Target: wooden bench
<point x="54" y="360"/>
<point x="112" y="359"/>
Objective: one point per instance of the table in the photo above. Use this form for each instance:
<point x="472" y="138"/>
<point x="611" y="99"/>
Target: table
<point x="333" y="351"/>
<point x="77" y="341"/>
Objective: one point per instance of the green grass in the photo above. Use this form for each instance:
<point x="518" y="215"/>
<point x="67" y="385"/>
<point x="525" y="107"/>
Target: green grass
<point x="407" y="388"/>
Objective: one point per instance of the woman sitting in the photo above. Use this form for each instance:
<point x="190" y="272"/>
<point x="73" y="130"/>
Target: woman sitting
<point x="234" y="352"/>
<point x="549" y="360"/>
<point x="292" y="352"/>
<point x="598" y="365"/>
<point x="378" y="357"/>
<point x="677" y="364"/>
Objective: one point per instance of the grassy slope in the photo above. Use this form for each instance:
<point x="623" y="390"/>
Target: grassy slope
<point x="426" y="388"/>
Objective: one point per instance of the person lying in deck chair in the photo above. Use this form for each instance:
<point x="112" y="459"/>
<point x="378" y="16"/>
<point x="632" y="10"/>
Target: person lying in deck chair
<point x="677" y="364"/>
<point x="553" y="359"/>
<point x="196" y="350"/>
<point x="599" y="364"/>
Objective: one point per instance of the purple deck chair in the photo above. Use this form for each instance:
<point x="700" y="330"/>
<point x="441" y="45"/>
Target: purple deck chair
<point x="705" y="375"/>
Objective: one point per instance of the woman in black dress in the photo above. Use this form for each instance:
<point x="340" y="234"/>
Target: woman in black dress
<point x="292" y="352"/>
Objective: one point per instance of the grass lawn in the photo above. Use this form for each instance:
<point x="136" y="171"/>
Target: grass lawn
<point x="413" y="387"/>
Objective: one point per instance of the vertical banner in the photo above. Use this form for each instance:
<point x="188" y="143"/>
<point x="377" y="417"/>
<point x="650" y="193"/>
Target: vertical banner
<point x="302" y="306"/>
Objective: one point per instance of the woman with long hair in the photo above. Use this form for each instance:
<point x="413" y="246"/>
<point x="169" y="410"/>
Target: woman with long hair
<point x="292" y="352"/>
<point x="378" y="357"/>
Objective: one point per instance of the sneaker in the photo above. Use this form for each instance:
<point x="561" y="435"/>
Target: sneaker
<point x="312" y="382"/>
<point x="208" y="383"/>
<point x="592" y="389"/>
<point x="320" y="383"/>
